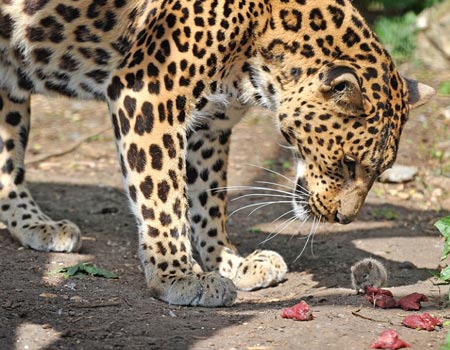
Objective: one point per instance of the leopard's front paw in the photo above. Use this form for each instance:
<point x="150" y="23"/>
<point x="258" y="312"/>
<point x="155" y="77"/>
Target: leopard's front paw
<point x="262" y="268"/>
<point x="205" y="289"/>
<point x="54" y="236"/>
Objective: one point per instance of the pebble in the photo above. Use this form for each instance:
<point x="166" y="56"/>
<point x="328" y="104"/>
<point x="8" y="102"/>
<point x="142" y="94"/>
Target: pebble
<point x="398" y="174"/>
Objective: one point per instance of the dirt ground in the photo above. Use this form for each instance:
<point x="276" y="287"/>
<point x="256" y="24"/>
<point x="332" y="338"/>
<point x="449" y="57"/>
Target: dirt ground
<point x="41" y="310"/>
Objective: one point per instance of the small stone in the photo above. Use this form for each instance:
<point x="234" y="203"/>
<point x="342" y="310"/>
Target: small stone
<point x="48" y="295"/>
<point x="398" y="174"/>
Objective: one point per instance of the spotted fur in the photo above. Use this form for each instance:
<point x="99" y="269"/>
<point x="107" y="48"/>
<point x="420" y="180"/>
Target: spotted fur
<point x="177" y="75"/>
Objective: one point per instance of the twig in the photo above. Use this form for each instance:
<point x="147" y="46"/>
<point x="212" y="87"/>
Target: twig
<point x="69" y="149"/>
<point x="87" y="306"/>
<point x="355" y="313"/>
<point x="126" y="301"/>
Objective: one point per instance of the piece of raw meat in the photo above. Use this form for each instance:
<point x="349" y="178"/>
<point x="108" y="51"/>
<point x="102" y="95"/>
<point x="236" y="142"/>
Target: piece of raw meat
<point x="412" y="301"/>
<point x="422" y="321"/>
<point x="389" y="340"/>
<point x="382" y="298"/>
<point x="298" y="312"/>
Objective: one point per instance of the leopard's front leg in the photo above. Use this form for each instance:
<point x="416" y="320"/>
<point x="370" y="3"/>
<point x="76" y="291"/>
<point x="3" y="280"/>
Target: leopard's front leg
<point x="208" y="150"/>
<point x="150" y="136"/>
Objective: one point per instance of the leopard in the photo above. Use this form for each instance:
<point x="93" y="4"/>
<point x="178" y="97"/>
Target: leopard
<point x="176" y="77"/>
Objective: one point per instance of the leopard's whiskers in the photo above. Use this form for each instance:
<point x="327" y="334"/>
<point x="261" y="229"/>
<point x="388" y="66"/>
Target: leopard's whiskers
<point x="271" y="171"/>
<point x="312" y="238"/>
<point x="284" y="214"/>
<point x="291" y="148"/>
<point x="295" y="190"/>
<point x="285" y="224"/>
<point x="275" y="191"/>
<point x="312" y="231"/>
<point x="261" y="195"/>
<point x="256" y="188"/>
<point x="257" y="204"/>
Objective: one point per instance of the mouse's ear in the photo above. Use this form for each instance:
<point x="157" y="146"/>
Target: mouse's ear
<point x="369" y="264"/>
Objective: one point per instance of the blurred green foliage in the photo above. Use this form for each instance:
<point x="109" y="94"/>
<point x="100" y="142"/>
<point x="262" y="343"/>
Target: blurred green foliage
<point x="444" y="88"/>
<point x="394" y="21"/>
<point x="398" y="5"/>
<point x="398" y="35"/>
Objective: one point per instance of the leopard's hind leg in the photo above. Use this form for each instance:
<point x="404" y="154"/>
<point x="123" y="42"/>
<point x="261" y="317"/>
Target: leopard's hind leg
<point x="18" y="210"/>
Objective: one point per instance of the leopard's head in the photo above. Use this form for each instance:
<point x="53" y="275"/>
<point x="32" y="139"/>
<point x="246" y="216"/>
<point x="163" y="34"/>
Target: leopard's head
<point x="341" y="103"/>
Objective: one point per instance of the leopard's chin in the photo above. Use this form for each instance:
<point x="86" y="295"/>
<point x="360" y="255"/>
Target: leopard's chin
<point x="302" y="211"/>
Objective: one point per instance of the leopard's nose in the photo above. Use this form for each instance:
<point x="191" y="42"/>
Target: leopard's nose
<point x="343" y="219"/>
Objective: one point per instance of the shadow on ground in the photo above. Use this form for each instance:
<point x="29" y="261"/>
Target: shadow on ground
<point x="95" y="313"/>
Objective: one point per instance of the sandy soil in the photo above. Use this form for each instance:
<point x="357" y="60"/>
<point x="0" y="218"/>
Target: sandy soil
<point x="41" y="310"/>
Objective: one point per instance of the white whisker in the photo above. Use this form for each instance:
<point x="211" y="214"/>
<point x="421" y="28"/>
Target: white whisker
<point x="311" y="233"/>
<point x="284" y="225"/>
<point x="255" y="204"/>
<point x="303" y="190"/>
<point x="241" y="188"/>
<point x="292" y="148"/>
<point x="278" y="218"/>
<point x="301" y="225"/>
<point x="272" y="171"/>
<point x="262" y="195"/>
<point x="312" y="238"/>
<point x="257" y="208"/>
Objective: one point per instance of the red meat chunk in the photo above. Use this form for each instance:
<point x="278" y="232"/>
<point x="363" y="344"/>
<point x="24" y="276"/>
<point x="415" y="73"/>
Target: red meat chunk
<point x="298" y="312"/>
<point x="389" y="340"/>
<point x="382" y="298"/>
<point x="412" y="301"/>
<point x="422" y="321"/>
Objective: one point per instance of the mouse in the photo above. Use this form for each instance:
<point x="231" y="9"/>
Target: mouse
<point x="368" y="273"/>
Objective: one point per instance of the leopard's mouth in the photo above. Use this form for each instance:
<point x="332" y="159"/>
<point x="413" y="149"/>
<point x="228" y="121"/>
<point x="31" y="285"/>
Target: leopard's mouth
<point x="305" y="208"/>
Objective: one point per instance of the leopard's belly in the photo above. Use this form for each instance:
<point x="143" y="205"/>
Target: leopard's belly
<point x="60" y="52"/>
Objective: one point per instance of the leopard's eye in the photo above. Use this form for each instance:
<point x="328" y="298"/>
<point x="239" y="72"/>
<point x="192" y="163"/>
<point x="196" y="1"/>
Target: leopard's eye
<point x="340" y="87"/>
<point x="350" y="164"/>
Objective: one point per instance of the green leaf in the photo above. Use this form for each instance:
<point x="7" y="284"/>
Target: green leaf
<point x="73" y="270"/>
<point x="446" y="250"/>
<point x="100" y="272"/>
<point x="445" y="274"/>
<point x="443" y="225"/>
<point x="435" y="274"/>
<point x="83" y="269"/>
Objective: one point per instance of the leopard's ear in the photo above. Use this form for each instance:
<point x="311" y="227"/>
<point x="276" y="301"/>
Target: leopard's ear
<point x="419" y="93"/>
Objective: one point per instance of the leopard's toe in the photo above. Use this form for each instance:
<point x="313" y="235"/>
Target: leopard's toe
<point x="261" y="269"/>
